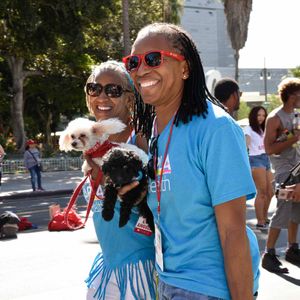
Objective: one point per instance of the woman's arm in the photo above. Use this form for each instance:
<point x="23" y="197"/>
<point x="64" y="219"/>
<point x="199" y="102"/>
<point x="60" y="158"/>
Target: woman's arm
<point x="231" y="221"/>
<point x="273" y="126"/>
<point x="94" y="167"/>
<point x="248" y="141"/>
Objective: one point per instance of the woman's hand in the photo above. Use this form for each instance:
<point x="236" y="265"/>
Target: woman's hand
<point x="94" y="167"/>
<point x="128" y="187"/>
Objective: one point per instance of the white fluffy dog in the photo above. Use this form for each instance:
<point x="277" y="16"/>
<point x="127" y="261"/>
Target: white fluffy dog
<point x="85" y="135"/>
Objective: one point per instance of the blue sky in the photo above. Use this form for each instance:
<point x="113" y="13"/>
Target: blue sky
<point x="273" y="35"/>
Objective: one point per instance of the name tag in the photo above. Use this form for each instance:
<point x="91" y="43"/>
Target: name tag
<point x="158" y="248"/>
<point x="142" y="227"/>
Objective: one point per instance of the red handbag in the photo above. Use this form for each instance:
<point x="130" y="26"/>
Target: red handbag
<point x="58" y="222"/>
<point x="68" y="219"/>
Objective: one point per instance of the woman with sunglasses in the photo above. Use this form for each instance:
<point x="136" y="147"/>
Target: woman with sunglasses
<point x="124" y="268"/>
<point x="201" y="174"/>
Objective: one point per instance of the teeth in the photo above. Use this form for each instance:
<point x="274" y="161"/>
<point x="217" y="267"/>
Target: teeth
<point x="103" y="107"/>
<point x="148" y="83"/>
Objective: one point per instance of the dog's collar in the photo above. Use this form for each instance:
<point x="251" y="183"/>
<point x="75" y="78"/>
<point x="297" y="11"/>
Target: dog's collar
<point x="138" y="178"/>
<point x="100" y="149"/>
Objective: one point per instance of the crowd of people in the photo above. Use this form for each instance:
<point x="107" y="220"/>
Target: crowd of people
<point x="201" y="247"/>
<point x="272" y="142"/>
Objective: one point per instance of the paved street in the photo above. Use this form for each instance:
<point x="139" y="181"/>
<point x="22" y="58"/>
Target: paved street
<point x="53" y="265"/>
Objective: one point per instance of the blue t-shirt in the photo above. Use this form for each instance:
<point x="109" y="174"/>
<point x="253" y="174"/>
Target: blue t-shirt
<point x="119" y="245"/>
<point x="206" y="165"/>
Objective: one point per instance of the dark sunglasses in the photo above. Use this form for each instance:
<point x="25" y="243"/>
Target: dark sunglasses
<point x="152" y="59"/>
<point x="153" y="152"/>
<point x="111" y="90"/>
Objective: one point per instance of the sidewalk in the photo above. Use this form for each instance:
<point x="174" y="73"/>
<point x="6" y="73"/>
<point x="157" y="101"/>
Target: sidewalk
<point x="47" y="265"/>
<point x="18" y="185"/>
<point x="53" y="265"/>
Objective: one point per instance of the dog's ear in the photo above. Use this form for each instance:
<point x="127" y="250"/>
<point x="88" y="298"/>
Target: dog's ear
<point x="133" y="158"/>
<point x="108" y="127"/>
<point x="65" y="141"/>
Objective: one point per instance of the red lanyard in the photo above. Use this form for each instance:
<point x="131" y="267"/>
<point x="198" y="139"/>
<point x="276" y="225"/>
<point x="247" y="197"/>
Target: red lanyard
<point x="159" y="181"/>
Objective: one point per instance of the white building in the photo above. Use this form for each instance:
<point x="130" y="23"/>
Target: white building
<point x="205" y="20"/>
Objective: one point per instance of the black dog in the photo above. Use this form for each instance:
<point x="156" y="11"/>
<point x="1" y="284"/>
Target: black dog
<point x="121" y="167"/>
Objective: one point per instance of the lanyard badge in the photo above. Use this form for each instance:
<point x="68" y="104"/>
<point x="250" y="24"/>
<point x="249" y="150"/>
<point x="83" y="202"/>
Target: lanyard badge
<point x="158" y="180"/>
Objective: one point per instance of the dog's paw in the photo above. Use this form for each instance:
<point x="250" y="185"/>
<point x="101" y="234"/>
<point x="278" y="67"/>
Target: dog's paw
<point x="107" y="215"/>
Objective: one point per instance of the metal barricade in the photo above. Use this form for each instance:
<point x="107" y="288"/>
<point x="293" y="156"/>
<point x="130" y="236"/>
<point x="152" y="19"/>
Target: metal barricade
<point x="49" y="165"/>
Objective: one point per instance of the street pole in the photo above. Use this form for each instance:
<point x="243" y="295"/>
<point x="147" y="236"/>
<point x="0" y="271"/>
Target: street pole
<point x="265" y="84"/>
<point x="264" y="75"/>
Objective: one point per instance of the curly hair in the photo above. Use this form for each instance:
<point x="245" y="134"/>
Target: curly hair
<point x="195" y="91"/>
<point x="287" y="87"/>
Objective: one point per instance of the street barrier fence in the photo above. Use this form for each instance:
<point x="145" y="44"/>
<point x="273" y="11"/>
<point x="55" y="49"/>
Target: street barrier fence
<point x="49" y="165"/>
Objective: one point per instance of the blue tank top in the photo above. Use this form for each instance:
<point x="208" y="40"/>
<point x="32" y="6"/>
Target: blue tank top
<point x="120" y="248"/>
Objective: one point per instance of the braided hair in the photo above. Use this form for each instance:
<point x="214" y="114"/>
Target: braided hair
<point x="195" y="91"/>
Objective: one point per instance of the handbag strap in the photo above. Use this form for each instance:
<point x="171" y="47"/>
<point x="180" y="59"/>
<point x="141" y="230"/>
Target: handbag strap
<point x="33" y="156"/>
<point x="74" y="197"/>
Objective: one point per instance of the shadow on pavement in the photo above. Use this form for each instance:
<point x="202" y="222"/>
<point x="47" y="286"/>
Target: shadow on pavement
<point x="289" y="279"/>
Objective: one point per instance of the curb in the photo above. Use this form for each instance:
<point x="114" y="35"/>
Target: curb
<point x="25" y="195"/>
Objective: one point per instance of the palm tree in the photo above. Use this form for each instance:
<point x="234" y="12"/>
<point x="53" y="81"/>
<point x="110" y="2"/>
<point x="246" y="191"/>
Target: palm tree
<point x="238" y="16"/>
<point x="126" y="30"/>
<point x="172" y="10"/>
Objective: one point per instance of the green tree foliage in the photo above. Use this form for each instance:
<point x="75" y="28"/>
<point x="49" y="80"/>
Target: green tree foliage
<point x="172" y="10"/>
<point x="273" y="102"/>
<point x="33" y="31"/>
<point x="47" y="50"/>
<point x="296" y="71"/>
<point x="243" y="111"/>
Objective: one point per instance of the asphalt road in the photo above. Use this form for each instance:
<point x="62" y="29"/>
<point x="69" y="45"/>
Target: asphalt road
<point x="43" y="265"/>
<point x="36" y="209"/>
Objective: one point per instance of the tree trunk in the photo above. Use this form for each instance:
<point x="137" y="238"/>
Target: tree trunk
<point x="237" y="16"/>
<point x="16" y="68"/>
<point x="48" y="128"/>
<point x="126" y="30"/>
<point x="236" y="58"/>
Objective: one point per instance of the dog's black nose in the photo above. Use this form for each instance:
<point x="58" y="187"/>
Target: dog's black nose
<point x="74" y="144"/>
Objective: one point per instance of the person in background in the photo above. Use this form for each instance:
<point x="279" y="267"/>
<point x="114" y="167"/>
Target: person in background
<point x="197" y="188"/>
<point x="227" y="91"/>
<point x="260" y="164"/>
<point x="2" y="154"/>
<point x="31" y="163"/>
<point x="124" y="267"/>
<point x="284" y="153"/>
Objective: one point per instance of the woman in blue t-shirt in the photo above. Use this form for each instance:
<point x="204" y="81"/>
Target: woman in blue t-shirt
<point x="200" y="173"/>
<point x="124" y="267"/>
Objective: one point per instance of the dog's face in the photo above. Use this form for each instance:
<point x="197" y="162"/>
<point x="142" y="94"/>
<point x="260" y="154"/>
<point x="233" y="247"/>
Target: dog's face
<point x="121" y="166"/>
<point x="82" y="134"/>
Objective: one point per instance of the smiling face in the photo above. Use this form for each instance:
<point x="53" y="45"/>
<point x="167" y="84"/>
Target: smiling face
<point x="162" y="85"/>
<point x="104" y="107"/>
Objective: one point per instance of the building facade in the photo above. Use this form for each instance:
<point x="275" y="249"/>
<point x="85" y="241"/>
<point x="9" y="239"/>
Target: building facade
<point x="205" y="20"/>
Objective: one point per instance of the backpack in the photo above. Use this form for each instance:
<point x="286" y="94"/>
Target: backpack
<point x="8" y="225"/>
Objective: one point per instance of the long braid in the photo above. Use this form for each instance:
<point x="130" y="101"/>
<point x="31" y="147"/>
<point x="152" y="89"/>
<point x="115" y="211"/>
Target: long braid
<point x="143" y="117"/>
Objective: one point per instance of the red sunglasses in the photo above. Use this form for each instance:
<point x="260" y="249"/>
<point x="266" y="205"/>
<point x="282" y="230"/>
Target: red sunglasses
<point x="152" y="59"/>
